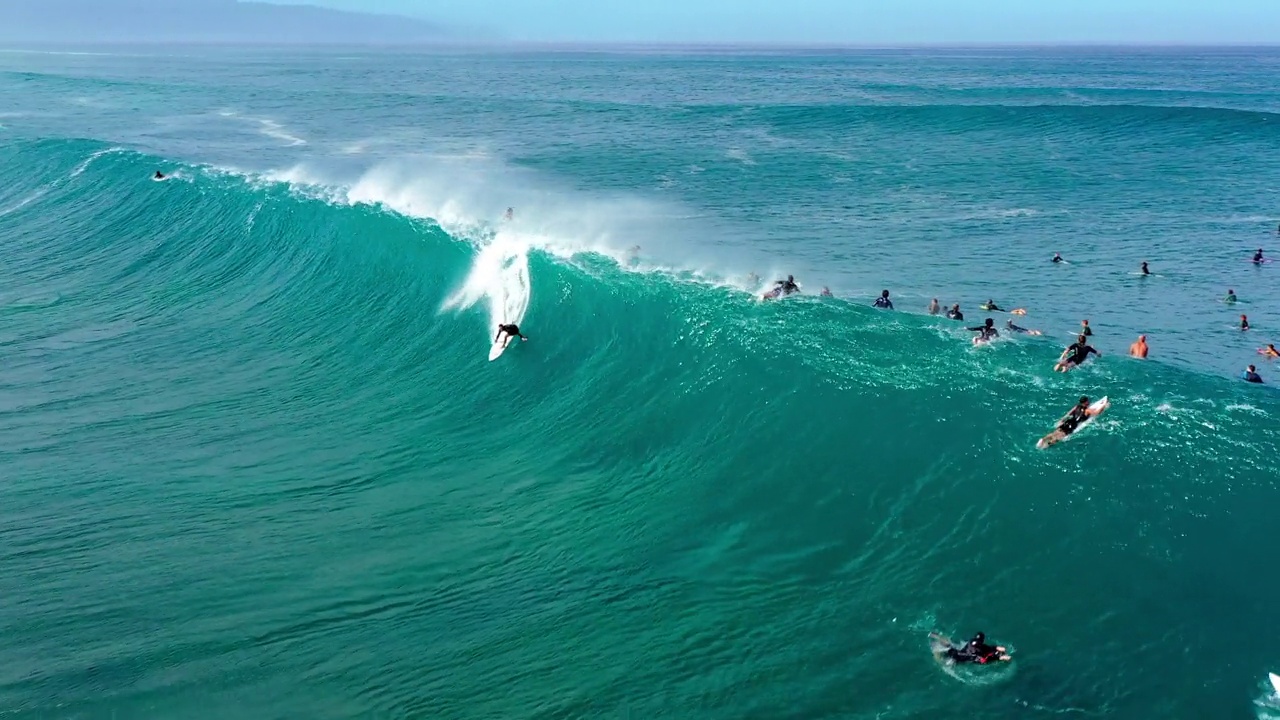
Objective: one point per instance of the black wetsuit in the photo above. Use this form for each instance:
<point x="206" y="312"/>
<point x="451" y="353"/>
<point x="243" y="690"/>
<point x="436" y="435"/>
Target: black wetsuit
<point x="1257" y="257"/>
<point x="511" y="330"/>
<point x="1077" y="353"/>
<point x="1057" y="258"/>
<point x="986" y="332"/>
<point x="1078" y="414"/>
<point x="1014" y="328"/>
<point x="884" y="302"/>
<point x="785" y="287"/>
<point x="955" y="315"/>
<point x="1252" y="377"/>
<point x="974" y="652"/>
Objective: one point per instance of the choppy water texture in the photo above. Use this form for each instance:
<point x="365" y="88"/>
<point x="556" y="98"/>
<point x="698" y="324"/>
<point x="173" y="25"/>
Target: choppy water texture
<point x="256" y="465"/>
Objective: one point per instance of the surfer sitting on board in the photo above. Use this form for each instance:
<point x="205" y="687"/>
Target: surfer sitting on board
<point x="1251" y="375"/>
<point x="933" y="307"/>
<point x="1008" y="324"/>
<point x="1244" y="322"/>
<point x="1057" y="257"/>
<point x="1231" y="296"/>
<point x="1075" y="354"/>
<point x="976" y="651"/>
<point x="510" y="330"/>
<point x="954" y="313"/>
<point x="883" y="301"/>
<point x="1145" y="271"/>
<point x="1257" y="257"/>
<point x="158" y="176"/>
<point x="986" y="332"/>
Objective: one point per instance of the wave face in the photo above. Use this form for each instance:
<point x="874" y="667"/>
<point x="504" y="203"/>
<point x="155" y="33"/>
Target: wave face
<point x="256" y="462"/>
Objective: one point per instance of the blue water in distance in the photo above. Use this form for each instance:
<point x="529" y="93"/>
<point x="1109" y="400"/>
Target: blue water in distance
<point x="256" y="463"/>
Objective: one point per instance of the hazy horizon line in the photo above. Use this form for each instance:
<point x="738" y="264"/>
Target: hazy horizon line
<point x="494" y="43"/>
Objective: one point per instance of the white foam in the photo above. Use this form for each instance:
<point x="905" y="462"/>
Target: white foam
<point x="267" y="127"/>
<point x="84" y="165"/>
<point x="468" y="193"/>
<point x="24" y="202"/>
<point x="500" y="276"/>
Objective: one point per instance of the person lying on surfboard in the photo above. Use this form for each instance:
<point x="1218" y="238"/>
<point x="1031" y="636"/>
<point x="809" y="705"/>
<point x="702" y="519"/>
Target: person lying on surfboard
<point x="990" y="306"/>
<point x="1008" y="325"/>
<point x="977" y="651"/>
<point x="1075" y="354"/>
<point x="510" y="330"/>
<point x="1269" y="351"/>
<point x="1074" y="416"/>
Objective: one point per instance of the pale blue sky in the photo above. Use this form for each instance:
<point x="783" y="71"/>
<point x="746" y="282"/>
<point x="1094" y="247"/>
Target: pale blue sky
<point x="852" y="21"/>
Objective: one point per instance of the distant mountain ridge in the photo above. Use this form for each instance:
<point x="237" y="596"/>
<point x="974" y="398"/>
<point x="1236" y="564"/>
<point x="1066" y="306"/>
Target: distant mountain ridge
<point x="203" y="21"/>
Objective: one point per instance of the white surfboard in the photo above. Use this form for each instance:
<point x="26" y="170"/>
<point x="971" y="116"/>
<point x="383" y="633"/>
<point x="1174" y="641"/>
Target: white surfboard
<point x="498" y="346"/>
<point x="1095" y="409"/>
<point x="1275" y="681"/>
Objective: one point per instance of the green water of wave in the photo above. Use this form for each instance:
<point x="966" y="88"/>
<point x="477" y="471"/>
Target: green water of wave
<point x="253" y="465"/>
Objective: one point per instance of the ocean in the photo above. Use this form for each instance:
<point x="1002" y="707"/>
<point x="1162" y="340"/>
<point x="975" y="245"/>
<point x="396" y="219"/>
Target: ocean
<point x="255" y="463"/>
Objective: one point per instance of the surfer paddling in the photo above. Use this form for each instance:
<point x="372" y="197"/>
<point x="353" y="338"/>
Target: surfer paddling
<point x="1011" y="327"/>
<point x="1069" y="422"/>
<point x="986" y="332"/>
<point x="1075" y="354"/>
<point x="975" y="651"/>
<point x="782" y="288"/>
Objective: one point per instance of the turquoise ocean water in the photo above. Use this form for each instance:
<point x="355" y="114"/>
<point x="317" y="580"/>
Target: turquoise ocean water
<point x="254" y="462"/>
